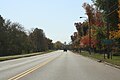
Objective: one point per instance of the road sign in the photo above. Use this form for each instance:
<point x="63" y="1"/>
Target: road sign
<point x="107" y="41"/>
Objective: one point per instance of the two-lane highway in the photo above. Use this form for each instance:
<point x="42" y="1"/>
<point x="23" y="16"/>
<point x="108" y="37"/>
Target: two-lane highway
<point x="57" y="65"/>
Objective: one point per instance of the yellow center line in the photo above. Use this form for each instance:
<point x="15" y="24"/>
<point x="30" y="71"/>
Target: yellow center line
<point x="18" y="76"/>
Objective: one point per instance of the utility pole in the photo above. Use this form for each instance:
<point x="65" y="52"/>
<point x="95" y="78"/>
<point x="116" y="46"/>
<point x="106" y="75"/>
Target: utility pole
<point x="89" y="36"/>
<point x="89" y="24"/>
<point x="108" y="29"/>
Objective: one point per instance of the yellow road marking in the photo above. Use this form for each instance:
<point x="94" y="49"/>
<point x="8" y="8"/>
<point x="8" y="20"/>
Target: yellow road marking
<point x="31" y="69"/>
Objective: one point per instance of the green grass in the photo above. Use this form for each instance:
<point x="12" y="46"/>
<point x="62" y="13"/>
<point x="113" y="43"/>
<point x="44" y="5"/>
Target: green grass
<point x="24" y="55"/>
<point x="115" y="59"/>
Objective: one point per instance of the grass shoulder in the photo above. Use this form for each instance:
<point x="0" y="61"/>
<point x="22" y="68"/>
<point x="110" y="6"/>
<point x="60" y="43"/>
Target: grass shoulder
<point x="23" y="55"/>
<point x="115" y="59"/>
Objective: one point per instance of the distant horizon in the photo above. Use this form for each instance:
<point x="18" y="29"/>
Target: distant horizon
<point x="56" y="18"/>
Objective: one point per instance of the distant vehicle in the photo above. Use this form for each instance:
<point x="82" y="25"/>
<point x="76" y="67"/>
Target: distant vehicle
<point x="65" y="50"/>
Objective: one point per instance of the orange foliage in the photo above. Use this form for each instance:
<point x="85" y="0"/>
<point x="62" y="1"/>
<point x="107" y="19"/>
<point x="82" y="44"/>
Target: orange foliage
<point x="94" y="15"/>
<point x="116" y="34"/>
<point x="85" y="41"/>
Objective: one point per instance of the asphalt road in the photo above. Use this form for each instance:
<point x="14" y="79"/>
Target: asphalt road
<point x="57" y="65"/>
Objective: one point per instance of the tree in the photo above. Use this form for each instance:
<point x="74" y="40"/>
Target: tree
<point x="84" y="42"/>
<point x="49" y="44"/>
<point x="14" y="39"/>
<point x="3" y="36"/>
<point x="38" y="40"/>
<point x="109" y="8"/>
<point x="17" y="39"/>
<point x="58" y="45"/>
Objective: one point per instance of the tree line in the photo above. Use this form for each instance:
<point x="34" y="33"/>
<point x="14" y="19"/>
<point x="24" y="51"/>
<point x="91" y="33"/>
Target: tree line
<point x="14" y="39"/>
<point x="100" y="30"/>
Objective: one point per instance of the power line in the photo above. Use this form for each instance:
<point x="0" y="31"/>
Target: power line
<point x="112" y="11"/>
<point x="113" y="5"/>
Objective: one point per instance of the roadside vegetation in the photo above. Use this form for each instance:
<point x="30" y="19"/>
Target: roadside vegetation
<point x="99" y="34"/>
<point x="15" y="40"/>
<point x="115" y="59"/>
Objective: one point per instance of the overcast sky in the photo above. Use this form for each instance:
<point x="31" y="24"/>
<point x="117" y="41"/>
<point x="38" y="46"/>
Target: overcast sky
<point x="55" y="17"/>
